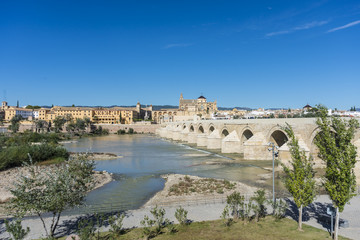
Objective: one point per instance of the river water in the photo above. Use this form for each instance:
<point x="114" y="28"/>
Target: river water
<point x="145" y="158"/>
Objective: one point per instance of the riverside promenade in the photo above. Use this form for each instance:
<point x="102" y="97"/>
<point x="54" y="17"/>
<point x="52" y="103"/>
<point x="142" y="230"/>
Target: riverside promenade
<point x="203" y="212"/>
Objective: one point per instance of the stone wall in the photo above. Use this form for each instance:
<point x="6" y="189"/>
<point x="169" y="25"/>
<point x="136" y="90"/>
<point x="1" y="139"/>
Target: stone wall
<point x="139" y="128"/>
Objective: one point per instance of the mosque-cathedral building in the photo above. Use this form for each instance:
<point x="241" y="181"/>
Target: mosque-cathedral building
<point x="188" y="109"/>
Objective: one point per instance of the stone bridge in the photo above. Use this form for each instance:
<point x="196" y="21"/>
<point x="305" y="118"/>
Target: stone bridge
<point x="248" y="137"/>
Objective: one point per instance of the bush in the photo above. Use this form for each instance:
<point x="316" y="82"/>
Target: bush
<point x="131" y="131"/>
<point x="159" y="222"/>
<point x="259" y="207"/>
<point x="86" y="229"/>
<point x="15" y="156"/>
<point x="236" y="204"/>
<point x="121" y="131"/>
<point x="280" y="208"/>
<point x="181" y="215"/>
<point x="225" y="216"/>
<point x="116" y="225"/>
<point x="15" y="229"/>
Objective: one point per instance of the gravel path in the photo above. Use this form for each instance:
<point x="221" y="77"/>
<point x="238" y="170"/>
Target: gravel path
<point x="203" y="212"/>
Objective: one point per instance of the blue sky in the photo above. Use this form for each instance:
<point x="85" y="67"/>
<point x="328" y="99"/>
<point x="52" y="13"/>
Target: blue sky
<point x="241" y="53"/>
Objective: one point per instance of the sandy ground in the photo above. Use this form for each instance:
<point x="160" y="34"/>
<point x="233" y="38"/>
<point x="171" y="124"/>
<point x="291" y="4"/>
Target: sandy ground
<point x="162" y="198"/>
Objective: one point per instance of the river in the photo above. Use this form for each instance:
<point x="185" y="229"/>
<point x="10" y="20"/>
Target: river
<point x="146" y="157"/>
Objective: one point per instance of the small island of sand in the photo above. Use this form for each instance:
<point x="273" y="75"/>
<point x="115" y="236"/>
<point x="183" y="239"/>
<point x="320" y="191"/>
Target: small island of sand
<point x="183" y="188"/>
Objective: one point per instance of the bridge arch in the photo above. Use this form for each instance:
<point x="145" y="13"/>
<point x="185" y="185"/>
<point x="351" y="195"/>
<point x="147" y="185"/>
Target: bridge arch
<point x="246" y="135"/>
<point x="201" y="129"/>
<point x="277" y="136"/>
<point x="224" y="132"/>
<point x="211" y="128"/>
<point x="191" y="129"/>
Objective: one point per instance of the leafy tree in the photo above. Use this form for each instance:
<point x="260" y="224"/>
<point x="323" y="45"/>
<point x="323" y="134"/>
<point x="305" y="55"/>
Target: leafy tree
<point x="59" y="122"/>
<point x="16" y="230"/>
<point x="259" y="207"/>
<point x="299" y="177"/>
<point x="15" y="123"/>
<point x="339" y="155"/>
<point x="52" y="192"/>
<point x="32" y="107"/>
<point x="40" y="124"/>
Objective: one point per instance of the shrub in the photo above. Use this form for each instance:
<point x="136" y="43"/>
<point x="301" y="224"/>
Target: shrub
<point x="86" y="229"/>
<point x="116" y="225"/>
<point x="15" y="229"/>
<point x="181" y="215"/>
<point x="225" y="216"/>
<point x="121" y="131"/>
<point x="280" y="208"/>
<point x="159" y="222"/>
<point x="259" y="207"/>
<point x="236" y="204"/>
<point x="131" y="131"/>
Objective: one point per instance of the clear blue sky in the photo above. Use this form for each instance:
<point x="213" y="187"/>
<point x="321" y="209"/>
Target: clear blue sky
<point x="241" y="53"/>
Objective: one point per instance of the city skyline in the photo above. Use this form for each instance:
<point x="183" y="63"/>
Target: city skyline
<point x="259" y="54"/>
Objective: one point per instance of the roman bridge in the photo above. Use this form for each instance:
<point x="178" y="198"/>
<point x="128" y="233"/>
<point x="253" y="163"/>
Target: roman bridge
<point x="248" y="137"/>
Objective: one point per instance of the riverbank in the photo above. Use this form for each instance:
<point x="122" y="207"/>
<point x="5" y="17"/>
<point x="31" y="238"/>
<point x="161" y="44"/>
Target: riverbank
<point x="181" y="189"/>
<point x="9" y="177"/>
<point x="96" y="156"/>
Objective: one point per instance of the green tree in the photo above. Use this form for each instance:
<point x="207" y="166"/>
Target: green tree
<point x="59" y="122"/>
<point x="52" y="192"/>
<point x="299" y="176"/>
<point x="40" y="125"/>
<point x="15" y="123"/>
<point x="339" y="155"/>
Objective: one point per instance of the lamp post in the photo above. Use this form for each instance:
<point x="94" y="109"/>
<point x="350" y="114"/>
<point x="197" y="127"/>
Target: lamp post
<point x="274" y="154"/>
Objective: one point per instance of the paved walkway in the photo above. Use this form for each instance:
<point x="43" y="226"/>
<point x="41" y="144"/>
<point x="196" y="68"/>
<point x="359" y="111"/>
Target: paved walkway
<point x="206" y="212"/>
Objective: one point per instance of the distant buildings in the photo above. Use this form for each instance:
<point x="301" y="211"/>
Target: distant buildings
<point x="189" y="109"/>
<point x="115" y="115"/>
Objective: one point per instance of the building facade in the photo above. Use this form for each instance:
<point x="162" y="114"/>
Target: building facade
<point x="189" y="109"/>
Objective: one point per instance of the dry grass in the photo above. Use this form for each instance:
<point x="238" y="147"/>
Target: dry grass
<point x="203" y="186"/>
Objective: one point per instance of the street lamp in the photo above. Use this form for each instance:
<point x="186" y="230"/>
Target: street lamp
<point x="275" y="153"/>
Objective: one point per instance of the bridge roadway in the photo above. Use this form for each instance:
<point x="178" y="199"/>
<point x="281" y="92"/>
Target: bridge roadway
<point x="249" y="137"/>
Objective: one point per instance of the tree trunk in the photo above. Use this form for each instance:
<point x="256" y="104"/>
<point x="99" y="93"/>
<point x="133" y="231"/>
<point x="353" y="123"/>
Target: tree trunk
<point x="336" y="228"/>
<point x="43" y="222"/>
<point x="300" y="218"/>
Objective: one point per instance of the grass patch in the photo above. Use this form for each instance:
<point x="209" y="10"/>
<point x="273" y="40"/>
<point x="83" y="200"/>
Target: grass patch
<point x="267" y="228"/>
<point x="56" y="160"/>
<point x="190" y="185"/>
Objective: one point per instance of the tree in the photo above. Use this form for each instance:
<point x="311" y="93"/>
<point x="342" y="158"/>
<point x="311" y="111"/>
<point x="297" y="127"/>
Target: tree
<point x="40" y="124"/>
<point x="15" y="123"/>
<point x="339" y="155"/>
<point x="299" y="176"/>
<point x="53" y="191"/>
<point x="59" y="122"/>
